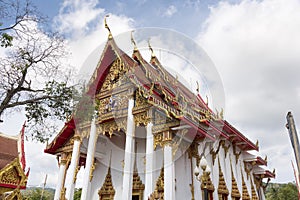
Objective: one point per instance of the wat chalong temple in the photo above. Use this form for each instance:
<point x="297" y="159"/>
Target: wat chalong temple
<point x="12" y="166"/>
<point x="152" y="138"/>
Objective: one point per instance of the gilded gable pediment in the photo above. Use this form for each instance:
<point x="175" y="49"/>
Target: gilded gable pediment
<point x="13" y="174"/>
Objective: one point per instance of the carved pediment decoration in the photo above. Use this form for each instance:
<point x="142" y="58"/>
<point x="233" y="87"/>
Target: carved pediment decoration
<point x="222" y="188"/>
<point x="245" y="194"/>
<point x="253" y="192"/>
<point x="107" y="191"/>
<point x="158" y="193"/>
<point x="13" y="174"/>
<point x="14" y="195"/>
<point x="234" y="188"/>
<point x="116" y="71"/>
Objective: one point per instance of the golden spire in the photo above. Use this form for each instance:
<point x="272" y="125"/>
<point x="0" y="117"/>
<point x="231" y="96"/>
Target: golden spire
<point x="149" y="45"/>
<point x="132" y="41"/>
<point x="107" y="27"/>
<point x="198" y="87"/>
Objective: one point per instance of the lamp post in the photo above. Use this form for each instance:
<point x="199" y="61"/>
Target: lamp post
<point x="204" y="177"/>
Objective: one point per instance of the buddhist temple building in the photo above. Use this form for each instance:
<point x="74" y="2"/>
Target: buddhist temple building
<point x="12" y="166"/>
<point x="152" y="138"/>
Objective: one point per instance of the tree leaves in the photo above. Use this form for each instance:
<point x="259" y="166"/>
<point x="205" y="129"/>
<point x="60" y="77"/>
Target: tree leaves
<point x="6" y="40"/>
<point x="33" y="76"/>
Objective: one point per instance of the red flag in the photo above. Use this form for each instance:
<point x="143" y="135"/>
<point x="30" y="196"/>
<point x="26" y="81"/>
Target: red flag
<point x="21" y="147"/>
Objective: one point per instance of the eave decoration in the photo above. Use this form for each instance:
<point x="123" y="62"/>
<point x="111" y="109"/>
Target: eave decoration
<point x="222" y="188"/>
<point x="234" y="188"/>
<point x="245" y="194"/>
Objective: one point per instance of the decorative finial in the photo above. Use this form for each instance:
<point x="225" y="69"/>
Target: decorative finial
<point x="256" y="143"/>
<point x="110" y="158"/>
<point x="266" y="158"/>
<point x="107" y="27"/>
<point x="152" y="53"/>
<point x="198" y="87"/>
<point x="132" y="41"/>
<point x="206" y="100"/>
<point x="222" y="113"/>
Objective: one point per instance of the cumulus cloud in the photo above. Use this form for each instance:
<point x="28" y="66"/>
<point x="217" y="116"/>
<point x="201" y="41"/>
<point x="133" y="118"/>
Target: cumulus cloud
<point x="75" y="16"/>
<point x="256" y="49"/>
<point x="170" y="11"/>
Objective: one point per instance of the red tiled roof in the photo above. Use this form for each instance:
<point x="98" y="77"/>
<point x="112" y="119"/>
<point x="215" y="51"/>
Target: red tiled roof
<point x="8" y="149"/>
<point x="146" y="74"/>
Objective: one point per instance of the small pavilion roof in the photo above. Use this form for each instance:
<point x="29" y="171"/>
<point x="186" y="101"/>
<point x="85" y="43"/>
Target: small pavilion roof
<point x="8" y="149"/>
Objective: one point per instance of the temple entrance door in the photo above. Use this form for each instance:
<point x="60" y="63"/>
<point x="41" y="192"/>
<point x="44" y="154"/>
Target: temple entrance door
<point x="135" y="197"/>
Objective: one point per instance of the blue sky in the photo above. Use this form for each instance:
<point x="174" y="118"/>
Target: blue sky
<point x="254" y="45"/>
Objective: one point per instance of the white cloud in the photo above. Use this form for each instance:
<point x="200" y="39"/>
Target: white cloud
<point x="170" y="11"/>
<point x="75" y="16"/>
<point x="256" y="49"/>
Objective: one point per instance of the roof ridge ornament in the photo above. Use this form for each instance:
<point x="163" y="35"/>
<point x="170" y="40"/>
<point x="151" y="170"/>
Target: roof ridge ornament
<point x="198" y="87"/>
<point x="107" y="27"/>
<point x="152" y="52"/>
<point x="133" y="41"/>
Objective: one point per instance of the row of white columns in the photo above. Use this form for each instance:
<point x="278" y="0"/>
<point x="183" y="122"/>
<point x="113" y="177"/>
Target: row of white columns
<point x="169" y="190"/>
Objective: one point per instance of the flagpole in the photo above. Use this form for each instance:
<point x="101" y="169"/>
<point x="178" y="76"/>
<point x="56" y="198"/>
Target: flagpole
<point x="44" y="187"/>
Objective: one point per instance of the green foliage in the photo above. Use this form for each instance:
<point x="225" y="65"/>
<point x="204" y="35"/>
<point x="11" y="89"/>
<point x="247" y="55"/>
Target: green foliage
<point x="6" y="40"/>
<point x="34" y="78"/>
<point x="57" y="104"/>
<point x="282" y="192"/>
<point x="36" y="193"/>
<point x="77" y="193"/>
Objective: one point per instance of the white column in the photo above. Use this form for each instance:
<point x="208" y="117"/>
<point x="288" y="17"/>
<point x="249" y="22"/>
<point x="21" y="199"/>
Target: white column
<point x="61" y="178"/>
<point x="129" y="154"/>
<point x="89" y="162"/>
<point x="72" y="168"/>
<point x="149" y="162"/>
<point x="169" y="179"/>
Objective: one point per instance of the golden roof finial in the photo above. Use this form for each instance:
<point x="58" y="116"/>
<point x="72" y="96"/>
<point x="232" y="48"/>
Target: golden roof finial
<point x="257" y="143"/>
<point x="132" y="41"/>
<point x="152" y="53"/>
<point x="206" y="100"/>
<point x="222" y="113"/>
<point x="107" y="27"/>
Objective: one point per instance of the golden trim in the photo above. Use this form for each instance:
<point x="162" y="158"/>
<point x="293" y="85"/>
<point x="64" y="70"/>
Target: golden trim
<point x="107" y="27"/>
<point x="253" y="191"/>
<point x="234" y="188"/>
<point x="215" y="153"/>
<point x="93" y="167"/>
<point x="245" y="194"/>
<point x="237" y="155"/>
<point x="13" y="174"/>
<point x="14" y="195"/>
<point x="107" y="190"/>
<point x="222" y="187"/>
<point x="158" y="193"/>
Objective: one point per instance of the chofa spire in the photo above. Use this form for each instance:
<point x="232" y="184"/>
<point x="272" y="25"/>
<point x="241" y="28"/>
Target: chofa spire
<point x="107" y="27"/>
<point x="152" y="52"/>
<point x="133" y="41"/>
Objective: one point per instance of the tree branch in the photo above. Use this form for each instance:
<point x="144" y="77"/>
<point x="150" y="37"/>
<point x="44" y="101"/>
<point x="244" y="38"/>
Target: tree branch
<point x="33" y="100"/>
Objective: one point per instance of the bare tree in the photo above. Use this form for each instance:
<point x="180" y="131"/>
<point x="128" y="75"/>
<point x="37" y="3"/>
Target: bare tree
<point x="32" y="76"/>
